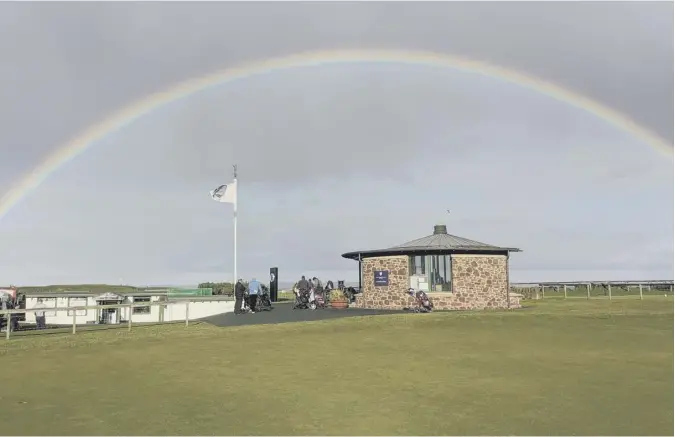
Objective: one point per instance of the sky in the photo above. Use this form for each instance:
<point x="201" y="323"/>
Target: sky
<point x="334" y="158"/>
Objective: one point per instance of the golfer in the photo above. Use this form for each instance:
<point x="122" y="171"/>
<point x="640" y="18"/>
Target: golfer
<point x="253" y="290"/>
<point x="40" y="314"/>
<point x="239" y="291"/>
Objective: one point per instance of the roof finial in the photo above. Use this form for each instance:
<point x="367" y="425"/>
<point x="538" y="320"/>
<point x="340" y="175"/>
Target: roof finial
<point x="440" y="229"/>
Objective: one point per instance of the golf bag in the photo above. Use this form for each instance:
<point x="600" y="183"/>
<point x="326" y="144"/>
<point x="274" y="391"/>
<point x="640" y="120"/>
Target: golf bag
<point x="264" y="302"/>
<point x="245" y="308"/>
<point x="318" y="299"/>
<point x="302" y="299"/>
<point x="350" y="294"/>
<point x="422" y="302"/>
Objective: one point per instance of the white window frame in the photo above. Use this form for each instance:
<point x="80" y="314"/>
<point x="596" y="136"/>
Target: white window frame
<point x="46" y="301"/>
<point x="77" y="312"/>
<point x="142" y="310"/>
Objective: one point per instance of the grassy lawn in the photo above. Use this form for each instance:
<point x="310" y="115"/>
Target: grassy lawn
<point x="555" y="368"/>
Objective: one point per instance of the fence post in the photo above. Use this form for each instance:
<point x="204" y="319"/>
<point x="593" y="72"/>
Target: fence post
<point x="565" y="290"/>
<point x="74" y="321"/>
<point x="131" y="311"/>
<point x="640" y="286"/>
<point x="609" y="289"/>
<point x="8" y="317"/>
<point x="588" y="291"/>
<point x="187" y="313"/>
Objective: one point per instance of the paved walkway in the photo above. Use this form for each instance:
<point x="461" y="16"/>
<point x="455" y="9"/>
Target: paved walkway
<point x="284" y="313"/>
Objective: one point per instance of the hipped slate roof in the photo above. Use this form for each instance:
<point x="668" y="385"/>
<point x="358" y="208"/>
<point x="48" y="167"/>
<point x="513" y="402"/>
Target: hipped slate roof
<point x="438" y="242"/>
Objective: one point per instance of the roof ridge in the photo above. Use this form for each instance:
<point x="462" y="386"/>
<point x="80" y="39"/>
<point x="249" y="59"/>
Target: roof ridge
<point x="443" y="240"/>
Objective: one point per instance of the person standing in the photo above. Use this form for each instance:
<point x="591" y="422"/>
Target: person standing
<point x="40" y="314"/>
<point x="4" y="299"/>
<point x="253" y="290"/>
<point x="239" y="291"/>
<point x="303" y="285"/>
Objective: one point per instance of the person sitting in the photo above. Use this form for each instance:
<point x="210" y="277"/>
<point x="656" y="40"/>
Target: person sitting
<point x="253" y="290"/>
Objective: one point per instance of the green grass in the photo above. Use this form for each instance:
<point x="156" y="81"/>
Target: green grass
<point x="555" y="368"/>
<point x="285" y="296"/>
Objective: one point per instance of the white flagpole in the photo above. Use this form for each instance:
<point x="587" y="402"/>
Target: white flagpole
<point x="234" y="281"/>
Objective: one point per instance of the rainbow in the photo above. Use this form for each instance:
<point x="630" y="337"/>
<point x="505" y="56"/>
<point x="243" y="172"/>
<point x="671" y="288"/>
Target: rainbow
<point x="127" y="115"/>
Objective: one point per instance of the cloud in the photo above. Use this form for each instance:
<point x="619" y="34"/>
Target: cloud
<point x="333" y="158"/>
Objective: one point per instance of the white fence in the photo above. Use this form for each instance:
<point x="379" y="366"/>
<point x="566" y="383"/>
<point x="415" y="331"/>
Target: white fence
<point x="595" y="290"/>
<point x="166" y="311"/>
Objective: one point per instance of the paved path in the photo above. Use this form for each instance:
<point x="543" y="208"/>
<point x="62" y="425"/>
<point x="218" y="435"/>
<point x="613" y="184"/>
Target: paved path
<point x="284" y="313"/>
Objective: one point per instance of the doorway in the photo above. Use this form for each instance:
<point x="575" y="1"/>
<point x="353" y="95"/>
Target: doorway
<point x="108" y="316"/>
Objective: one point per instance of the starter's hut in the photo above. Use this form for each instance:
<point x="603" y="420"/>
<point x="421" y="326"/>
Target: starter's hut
<point x="456" y="273"/>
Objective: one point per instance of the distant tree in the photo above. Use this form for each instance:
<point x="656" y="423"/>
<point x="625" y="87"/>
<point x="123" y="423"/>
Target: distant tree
<point x="219" y="288"/>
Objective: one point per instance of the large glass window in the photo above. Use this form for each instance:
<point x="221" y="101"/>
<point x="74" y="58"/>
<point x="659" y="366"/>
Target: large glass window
<point x="437" y="269"/>
<point x="440" y="272"/>
<point x="418" y="265"/>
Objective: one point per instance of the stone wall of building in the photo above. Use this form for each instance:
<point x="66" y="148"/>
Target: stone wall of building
<point x="391" y="296"/>
<point x="478" y="282"/>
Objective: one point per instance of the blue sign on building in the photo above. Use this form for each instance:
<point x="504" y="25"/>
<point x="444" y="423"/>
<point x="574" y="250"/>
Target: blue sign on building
<point x="381" y="278"/>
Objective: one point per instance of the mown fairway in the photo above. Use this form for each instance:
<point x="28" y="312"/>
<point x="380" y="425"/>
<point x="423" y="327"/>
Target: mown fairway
<point x="558" y="367"/>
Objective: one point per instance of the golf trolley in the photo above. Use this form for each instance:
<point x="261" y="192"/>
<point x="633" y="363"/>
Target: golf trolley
<point x="422" y="302"/>
<point x="263" y="302"/>
<point x="309" y="300"/>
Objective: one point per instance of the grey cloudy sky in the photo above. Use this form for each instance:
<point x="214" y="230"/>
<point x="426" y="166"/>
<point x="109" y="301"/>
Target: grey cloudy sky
<point x="334" y="158"/>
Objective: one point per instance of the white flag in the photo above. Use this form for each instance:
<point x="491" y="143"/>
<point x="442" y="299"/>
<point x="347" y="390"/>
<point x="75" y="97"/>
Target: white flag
<point x="225" y="193"/>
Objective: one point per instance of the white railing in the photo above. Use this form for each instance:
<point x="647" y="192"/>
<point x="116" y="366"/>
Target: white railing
<point x="129" y="306"/>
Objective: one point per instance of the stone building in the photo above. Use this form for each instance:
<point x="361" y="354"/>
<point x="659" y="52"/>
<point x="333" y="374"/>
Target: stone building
<point x="456" y="273"/>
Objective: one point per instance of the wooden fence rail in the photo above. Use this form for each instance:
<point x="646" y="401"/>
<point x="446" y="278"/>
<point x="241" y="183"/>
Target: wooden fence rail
<point x="7" y="313"/>
<point x="579" y="289"/>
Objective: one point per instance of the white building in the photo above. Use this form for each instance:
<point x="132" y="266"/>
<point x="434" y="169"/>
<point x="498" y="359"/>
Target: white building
<point x="57" y="305"/>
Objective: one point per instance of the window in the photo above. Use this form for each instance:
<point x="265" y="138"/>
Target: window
<point x="440" y="272"/>
<point x="418" y="265"/>
<point x="77" y="302"/>
<point x="436" y="268"/>
<point x="141" y="310"/>
<point x="50" y="302"/>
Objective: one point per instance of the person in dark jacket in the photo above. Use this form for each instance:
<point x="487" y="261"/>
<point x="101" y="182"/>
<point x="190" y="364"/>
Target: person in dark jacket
<point x="239" y="291"/>
<point x="303" y="285"/>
